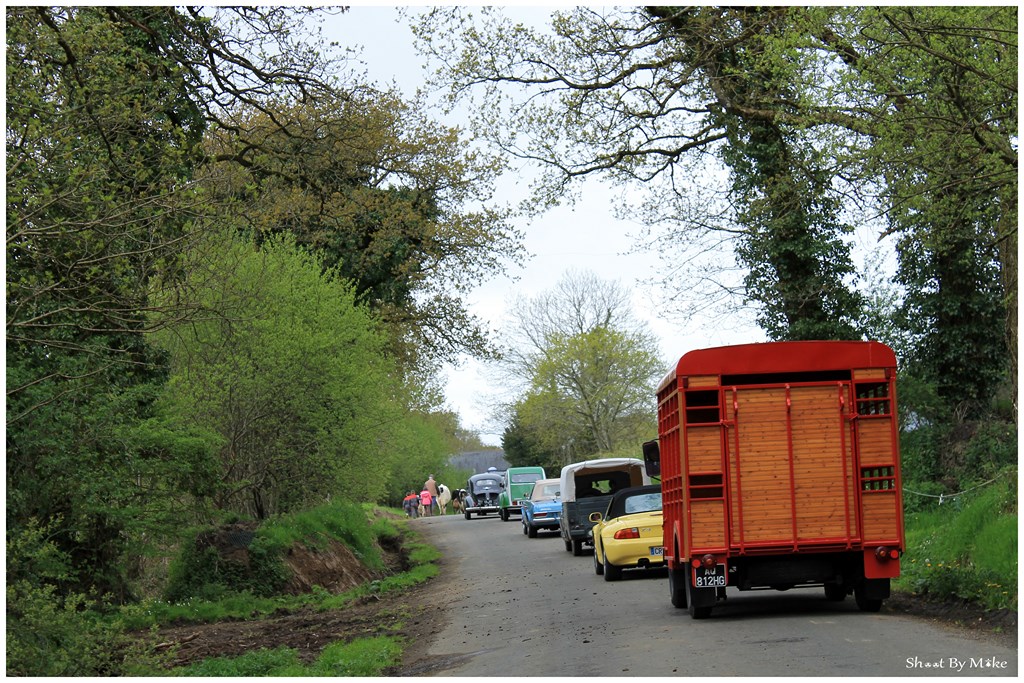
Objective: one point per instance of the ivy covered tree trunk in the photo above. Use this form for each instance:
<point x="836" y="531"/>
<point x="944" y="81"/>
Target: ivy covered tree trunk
<point x="956" y="306"/>
<point x="1007" y="245"/>
<point x="797" y="263"/>
<point x="790" y="239"/>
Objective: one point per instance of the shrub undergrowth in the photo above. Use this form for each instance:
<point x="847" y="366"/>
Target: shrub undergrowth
<point x="53" y="634"/>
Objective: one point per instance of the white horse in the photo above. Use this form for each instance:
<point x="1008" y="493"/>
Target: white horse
<point x="444" y="496"/>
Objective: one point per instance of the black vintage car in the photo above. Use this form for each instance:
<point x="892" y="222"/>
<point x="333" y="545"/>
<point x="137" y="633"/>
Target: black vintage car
<point x="482" y="494"/>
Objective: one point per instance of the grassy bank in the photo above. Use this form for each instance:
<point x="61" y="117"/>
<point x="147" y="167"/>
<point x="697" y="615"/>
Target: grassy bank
<point x="966" y="547"/>
<point x="199" y="594"/>
<point x="94" y="639"/>
<point x="363" y="657"/>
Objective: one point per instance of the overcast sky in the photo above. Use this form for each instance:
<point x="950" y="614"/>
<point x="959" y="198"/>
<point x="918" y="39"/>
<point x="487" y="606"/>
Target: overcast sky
<point x="585" y="236"/>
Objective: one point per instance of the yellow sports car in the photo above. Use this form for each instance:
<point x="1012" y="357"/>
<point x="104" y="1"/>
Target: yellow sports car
<point x="628" y="534"/>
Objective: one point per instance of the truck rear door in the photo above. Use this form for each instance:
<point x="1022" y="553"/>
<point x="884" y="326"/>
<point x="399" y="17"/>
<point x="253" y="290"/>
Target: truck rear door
<point x="792" y="480"/>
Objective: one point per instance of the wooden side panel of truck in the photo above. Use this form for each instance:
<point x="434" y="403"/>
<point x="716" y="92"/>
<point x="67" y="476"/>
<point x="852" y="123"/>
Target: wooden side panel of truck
<point x="780" y="468"/>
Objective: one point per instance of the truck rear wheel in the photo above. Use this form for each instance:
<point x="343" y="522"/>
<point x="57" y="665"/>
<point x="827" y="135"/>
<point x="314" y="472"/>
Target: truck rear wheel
<point x="869" y="594"/>
<point x="699" y="601"/>
<point x="864" y="603"/>
<point x="676" y="588"/>
<point x="577" y="547"/>
<point x="696" y="612"/>
<point x="468" y="515"/>
<point x="835" y="592"/>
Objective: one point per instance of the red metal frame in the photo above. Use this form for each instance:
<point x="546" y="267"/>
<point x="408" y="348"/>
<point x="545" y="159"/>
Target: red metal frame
<point x="846" y="422"/>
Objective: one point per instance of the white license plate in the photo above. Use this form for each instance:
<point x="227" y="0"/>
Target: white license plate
<point x="658" y="550"/>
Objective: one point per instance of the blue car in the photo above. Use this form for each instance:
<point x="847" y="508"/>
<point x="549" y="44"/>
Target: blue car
<point x="542" y="508"/>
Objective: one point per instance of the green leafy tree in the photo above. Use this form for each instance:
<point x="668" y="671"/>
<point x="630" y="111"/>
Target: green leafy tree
<point x="100" y="147"/>
<point x="289" y="371"/>
<point x="385" y="194"/>
<point x="533" y="438"/>
<point x="639" y="96"/>
<point x="600" y="383"/>
<point x="588" y="369"/>
<point x="946" y="80"/>
<point x="797" y="264"/>
<point x="419" y="445"/>
<point x="106" y="111"/>
<point x="822" y="115"/>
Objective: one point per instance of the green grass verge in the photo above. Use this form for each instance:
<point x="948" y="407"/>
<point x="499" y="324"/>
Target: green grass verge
<point x="338" y="522"/>
<point x="364" y="657"/>
<point x="965" y="548"/>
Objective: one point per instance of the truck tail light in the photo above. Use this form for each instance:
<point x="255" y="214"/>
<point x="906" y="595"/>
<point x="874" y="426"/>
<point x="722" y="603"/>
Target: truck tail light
<point x="709" y="561"/>
<point x="632" y="532"/>
<point x="883" y="553"/>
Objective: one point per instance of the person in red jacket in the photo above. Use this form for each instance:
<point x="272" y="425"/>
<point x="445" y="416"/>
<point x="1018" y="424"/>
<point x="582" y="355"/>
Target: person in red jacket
<point x="411" y="504"/>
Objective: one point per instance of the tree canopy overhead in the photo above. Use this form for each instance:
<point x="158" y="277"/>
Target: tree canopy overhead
<point x="763" y="136"/>
<point x="395" y="202"/>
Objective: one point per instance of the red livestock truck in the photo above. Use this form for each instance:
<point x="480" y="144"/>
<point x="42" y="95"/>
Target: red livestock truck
<point x="780" y="468"/>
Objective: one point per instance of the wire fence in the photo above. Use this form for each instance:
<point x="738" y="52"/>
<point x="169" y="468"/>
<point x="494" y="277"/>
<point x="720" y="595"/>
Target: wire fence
<point x="947" y="496"/>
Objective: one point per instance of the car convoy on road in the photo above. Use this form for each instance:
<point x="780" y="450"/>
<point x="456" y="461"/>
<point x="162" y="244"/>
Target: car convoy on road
<point x="777" y="467"/>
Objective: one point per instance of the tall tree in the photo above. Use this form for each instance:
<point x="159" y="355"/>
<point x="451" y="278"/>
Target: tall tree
<point x="106" y="111"/>
<point x="385" y="195"/>
<point x="634" y="96"/>
<point x="102" y="138"/>
<point x="798" y="267"/>
<point x="943" y="84"/>
<point x="289" y="372"/>
<point x="587" y="367"/>
<point x="523" y="448"/>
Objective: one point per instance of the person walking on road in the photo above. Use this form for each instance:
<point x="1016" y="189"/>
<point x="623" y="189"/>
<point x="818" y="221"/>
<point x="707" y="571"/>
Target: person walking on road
<point x="431" y="485"/>
<point x="428" y="501"/>
<point x="411" y="503"/>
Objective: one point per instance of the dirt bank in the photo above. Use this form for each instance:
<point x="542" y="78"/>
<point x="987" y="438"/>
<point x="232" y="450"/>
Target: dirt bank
<point x="412" y="615"/>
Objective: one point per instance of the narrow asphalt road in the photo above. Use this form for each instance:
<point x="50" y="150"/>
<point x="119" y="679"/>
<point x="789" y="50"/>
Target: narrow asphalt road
<point x="526" y="607"/>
